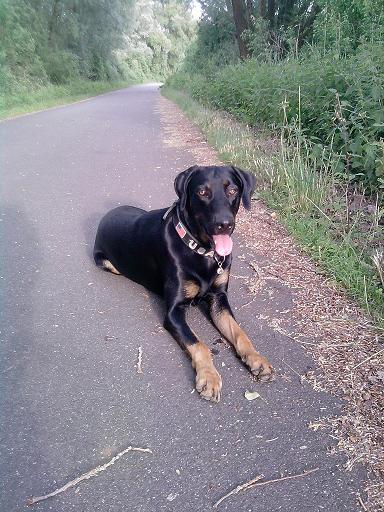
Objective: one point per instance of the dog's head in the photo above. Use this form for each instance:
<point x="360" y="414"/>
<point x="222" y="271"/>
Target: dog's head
<point x="209" y="199"/>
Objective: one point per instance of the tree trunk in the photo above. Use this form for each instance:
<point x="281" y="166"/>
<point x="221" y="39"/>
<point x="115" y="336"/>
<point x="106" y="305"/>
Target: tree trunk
<point x="263" y="8"/>
<point x="53" y="22"/>
<point x="240" y="19"/>
<point x="249" y="11"/>
<point x="271" y="11"/>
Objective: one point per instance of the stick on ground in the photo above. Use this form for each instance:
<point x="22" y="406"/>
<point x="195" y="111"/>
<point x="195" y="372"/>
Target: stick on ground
<point x="255" y="483"/>
<point x="85" y="476"/>
<point x="139" y="360"/>
<point x="368" y="358"/>
<point x="239" y="488"/>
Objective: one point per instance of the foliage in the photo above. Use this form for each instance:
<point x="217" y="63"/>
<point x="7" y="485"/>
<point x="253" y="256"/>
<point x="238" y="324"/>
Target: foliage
<point x="214" y="45"/>
<point x="342" y="25"/>
<point x="326" y="81"/>
<point x="56" y="41"/>
<point x="160" y="35"/>
<point x="19" y="61"/>
<point x="63" y="41"/>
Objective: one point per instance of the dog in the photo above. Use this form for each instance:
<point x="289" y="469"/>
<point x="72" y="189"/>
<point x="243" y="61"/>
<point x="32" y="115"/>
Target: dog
<point x="184" y="254"/>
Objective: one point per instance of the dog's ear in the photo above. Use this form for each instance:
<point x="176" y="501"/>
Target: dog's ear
<point x="248" y="184"/>
<point x="181" y="184"/>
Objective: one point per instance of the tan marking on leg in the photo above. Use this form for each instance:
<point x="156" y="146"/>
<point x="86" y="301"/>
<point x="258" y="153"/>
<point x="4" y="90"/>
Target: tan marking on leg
<point x="191" y="289"/>
<point x="228" y="326"/>
<point x="108" y="265"/>
<point x="208" y="380"/>
<point x="221" y="279"/>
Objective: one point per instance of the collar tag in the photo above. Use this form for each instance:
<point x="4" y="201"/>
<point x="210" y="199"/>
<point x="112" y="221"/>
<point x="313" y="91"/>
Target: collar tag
<point x="220" y="269"/>
<point x="181" y="231"/>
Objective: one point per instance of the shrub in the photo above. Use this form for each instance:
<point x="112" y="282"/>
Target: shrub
<point x="337" y="103"/>
<point x="61" y="66"/>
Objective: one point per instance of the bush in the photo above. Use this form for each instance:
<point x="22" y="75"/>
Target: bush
<point x="336" y="103"/>
<point x="61" y="67"/>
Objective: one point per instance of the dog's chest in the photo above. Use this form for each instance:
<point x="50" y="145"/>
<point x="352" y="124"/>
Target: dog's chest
<point x="205" y="276"/>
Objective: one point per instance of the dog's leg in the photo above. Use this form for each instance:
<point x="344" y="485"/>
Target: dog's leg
<point x="208" y="380"/>
<point x="225" y="322"/>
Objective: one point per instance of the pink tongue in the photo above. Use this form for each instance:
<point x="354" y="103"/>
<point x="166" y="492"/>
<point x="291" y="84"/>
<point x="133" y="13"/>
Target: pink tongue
<point x="223" y="244"/>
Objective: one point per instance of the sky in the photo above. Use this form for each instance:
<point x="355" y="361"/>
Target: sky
<point x="196" y="10"/>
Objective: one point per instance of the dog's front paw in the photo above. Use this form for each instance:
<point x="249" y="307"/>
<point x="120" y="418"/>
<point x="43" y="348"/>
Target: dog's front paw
<point x="208" y="383"/>
<point x="260" y="367"/>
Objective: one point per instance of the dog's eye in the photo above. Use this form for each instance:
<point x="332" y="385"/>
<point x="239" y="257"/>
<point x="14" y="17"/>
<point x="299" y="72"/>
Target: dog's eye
<point x="202" y="192"/>
<point x="231" y="191"/>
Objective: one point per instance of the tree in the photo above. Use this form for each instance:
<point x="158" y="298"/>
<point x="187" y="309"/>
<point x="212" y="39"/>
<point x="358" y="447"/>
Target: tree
<point x="242" y="23"/>
<point x="162" y="31"/>
<point x="62" y="40"/>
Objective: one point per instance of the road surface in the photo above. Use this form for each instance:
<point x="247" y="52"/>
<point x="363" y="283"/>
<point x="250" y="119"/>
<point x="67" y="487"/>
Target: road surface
<point x="71" y="397"/>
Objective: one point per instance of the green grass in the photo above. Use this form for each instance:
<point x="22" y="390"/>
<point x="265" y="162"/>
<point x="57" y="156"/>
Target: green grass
<point x="25" y="100"/>
<point x="304" y="193"/>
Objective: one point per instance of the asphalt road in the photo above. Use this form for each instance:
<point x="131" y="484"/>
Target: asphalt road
<point x="71" y="397"/>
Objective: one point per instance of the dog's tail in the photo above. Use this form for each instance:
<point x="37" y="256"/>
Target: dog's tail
<point x="99" y="257"/>
<point x="102" y="262"/>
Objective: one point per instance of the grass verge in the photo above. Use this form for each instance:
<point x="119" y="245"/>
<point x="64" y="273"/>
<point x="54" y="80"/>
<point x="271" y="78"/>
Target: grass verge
<point x="316" y="209"/>
<point x="24" y="100"/>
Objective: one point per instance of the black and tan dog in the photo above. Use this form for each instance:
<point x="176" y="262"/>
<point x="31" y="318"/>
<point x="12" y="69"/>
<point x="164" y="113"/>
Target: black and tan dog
<point x="184" y="254"/>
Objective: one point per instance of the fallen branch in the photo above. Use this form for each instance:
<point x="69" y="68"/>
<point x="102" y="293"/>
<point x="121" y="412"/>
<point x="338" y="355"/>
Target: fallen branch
<point x="140" y="357"/>
<point x="255" y="483"/>
<point x="85" y="476"/>
<point x="238" y="489"/>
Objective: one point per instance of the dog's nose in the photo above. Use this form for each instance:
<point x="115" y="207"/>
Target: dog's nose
<point x="224" y="226"/>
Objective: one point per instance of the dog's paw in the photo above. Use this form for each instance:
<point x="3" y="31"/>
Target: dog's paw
<point x="208" y="383"/>
<point x="260" y="367"/>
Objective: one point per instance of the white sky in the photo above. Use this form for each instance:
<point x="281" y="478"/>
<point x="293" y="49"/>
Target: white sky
<point x="196" y="10"/>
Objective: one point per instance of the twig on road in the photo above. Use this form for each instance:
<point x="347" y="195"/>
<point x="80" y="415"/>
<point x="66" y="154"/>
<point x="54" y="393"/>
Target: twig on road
<point x="368" y="358"/>
<point x="361" y="503"/>
<point x="247" y="303"/>
<point x="238" y="277"/>
<point x="294" y="371"/>
<point x="85" y="476"/>
<point x="139" y="361"/>
<point x="255" y="483"/>
<point x="238" y="489"/>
